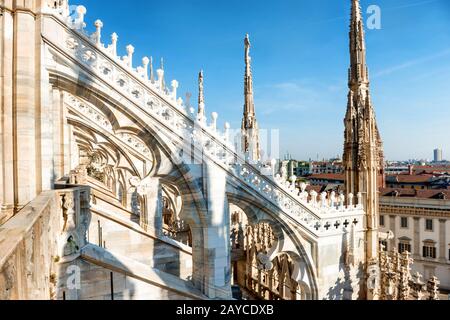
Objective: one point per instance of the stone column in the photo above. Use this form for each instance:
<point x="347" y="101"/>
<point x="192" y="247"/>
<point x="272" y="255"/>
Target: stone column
<point x="58" y="133"/>
<point x="26" y="173"/>
<point x="151" y="216"/>
<point x="6" y="117"/>
<point x="442" y="242"/>
<point x="417" y="252"/>
<point x="49" y="131"/>
<point x="392" y="227"/>
<point x="217" y="258"/>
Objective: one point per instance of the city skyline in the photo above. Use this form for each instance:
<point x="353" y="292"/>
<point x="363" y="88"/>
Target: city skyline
<point x="299" y="86"/>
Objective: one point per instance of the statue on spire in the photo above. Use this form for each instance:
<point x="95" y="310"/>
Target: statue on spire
<point x="201" y="97"/>
<point x="247" y="50"/>
<point x="250" y="130"/>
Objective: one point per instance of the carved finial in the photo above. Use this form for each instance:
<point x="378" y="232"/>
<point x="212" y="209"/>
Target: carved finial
<point x="174" y="84"/>
<point x="332" y="199"/>
<point x="303" y="187"/>
<point x="98" y="33"/>
<point x="114" y="38"/>
<point x="350" y="200"/>
<point x="130" y="52"/>
<point x="214" y="117"/>
<point x="313" y="195"/>
<point x="341" y="201"/>
<point x="152" y="76"/>
<point x="160" y="74"/>
<point x="192" y="112"/>
<point x="145" y="62"/>
<point x="323" y="198"/>
<point x="79" y="22"/>
<point x="227" y="131"/>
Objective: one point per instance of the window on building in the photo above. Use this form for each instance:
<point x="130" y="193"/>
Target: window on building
<point x="429" y="249"/>
<point x="404" y="246"/>
<point x="382" y="221"/>
<point x="404" y="222"/>
<point x="429" y="225"/>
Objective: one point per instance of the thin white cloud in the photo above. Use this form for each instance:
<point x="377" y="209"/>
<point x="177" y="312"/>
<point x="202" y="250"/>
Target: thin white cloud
<point x="413" y="4"/>
<point x="411" y="63"/>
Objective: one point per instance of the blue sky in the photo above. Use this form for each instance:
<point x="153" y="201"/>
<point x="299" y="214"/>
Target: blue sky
<point x="300" y="61"/>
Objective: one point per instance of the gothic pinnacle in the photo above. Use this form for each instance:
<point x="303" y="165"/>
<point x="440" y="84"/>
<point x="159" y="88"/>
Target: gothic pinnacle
<point x="363" y="151"/>
<point x="358" y="72"/>
<point x="249" y="108"/>
<point x="250" y="131"/>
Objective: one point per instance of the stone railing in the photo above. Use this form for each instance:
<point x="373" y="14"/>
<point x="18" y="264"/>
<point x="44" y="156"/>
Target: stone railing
<point x="150" y="94"/>
<point x="320" y="215"/>
<point x="49" y="230"/>
<point x="135" y="83"/>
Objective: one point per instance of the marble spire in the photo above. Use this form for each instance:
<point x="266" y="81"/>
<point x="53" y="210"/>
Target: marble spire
<point x="250" y="130"/>
<point x="363" y="150"/>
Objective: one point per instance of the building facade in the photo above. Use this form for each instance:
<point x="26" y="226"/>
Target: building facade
<point x="421" y="225"/>
<point x="326" y="167"/>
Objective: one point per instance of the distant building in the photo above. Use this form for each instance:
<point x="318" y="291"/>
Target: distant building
<point x="438" y="155"/>
<point x="293" y="167"/>
<point x="420" y="221"/>
<point x="333" y="166"/>
<point x="392" y="170"/>
<point x="302" y="169"/>
<point x="324" y="179"/>
<point x="421" y="178"/>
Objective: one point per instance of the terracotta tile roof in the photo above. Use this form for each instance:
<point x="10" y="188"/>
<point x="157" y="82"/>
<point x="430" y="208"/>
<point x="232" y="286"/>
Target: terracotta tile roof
<point x="432" y="168"/>
<point x="442" y="194"/>
<point x="406" y="178"/>
<point x="327" y="176"/>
